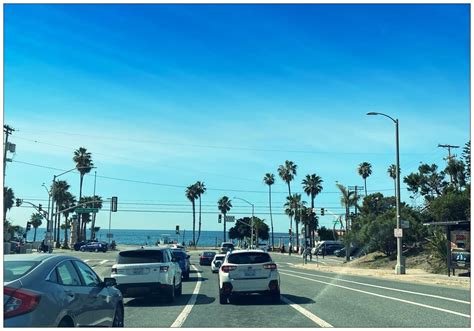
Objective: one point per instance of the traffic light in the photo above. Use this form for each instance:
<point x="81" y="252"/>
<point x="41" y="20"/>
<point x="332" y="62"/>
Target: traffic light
<point x="28" y="226"/>
<point x="322" y="211"/>
<point x="177" y="229"/>
<point x="289" y="232"/>
<point x="40" y="208"/>
<point x="220" y="218"/>
<point x="18" y="202"/>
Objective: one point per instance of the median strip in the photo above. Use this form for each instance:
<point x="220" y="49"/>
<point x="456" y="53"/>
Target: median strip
<point x="306" y="313"/>
<point x="379" y="295"/>
<point x="187" y="309"/>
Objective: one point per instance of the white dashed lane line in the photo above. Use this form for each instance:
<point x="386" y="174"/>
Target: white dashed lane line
<point x="187" y="309"/>
<point x="306" y="313"/>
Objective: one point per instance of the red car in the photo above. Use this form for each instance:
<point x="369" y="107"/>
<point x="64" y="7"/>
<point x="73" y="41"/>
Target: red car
<point x="206" y="258"/>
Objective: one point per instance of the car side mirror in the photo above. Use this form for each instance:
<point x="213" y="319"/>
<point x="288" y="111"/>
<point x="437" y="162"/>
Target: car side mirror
<point x="109" y="282"/>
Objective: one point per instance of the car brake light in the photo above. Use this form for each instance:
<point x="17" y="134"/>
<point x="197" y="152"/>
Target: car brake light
<point x="114" y="270"/>
<point x="164" y="268"/>
<point x="20" y="302"/>
<point x="228" y="268"/>
<point x="271" y="266"/>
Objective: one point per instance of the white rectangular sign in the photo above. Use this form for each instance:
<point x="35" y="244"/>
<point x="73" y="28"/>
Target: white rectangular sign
<point x="398" y="233"/>
<point x="229" y="218"/>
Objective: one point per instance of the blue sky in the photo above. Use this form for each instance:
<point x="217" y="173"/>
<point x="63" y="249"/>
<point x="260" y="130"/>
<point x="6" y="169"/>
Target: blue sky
<point x="165" y="95"/>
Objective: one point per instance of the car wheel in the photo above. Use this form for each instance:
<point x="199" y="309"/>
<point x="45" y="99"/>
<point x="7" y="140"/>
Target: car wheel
<point x="82" y="249"/>
<point x="222" y="298"/>
<point x="66" y="322"/>
<point x="118" y="318"/>
<point x="171" y="292"/>
<point x="275" y="297"/>
<point x="186" y="275"/>
<point x="96" y="250"/>
<point x="179" y="290"/>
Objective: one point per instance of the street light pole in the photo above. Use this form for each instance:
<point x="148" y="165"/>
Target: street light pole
<point x="251" y="221"/>
<point x="400" y="267"/>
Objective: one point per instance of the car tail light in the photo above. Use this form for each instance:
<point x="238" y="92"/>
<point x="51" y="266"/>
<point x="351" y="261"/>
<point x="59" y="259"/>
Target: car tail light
<point x="164" y="268"/>
<point x="228" y="268"/>
<point x="271" y="266"/>
<point x="20" y="302"/>
<point x="114" y="270"/>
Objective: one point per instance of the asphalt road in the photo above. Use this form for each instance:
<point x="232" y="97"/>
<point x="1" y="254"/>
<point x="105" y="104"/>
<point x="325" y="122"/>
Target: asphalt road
<point x="309" y="299"/>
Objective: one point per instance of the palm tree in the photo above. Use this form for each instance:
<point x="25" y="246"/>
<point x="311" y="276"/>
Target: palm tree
<point x="96" y="204"/>
<point x="269" y="179"/>
<point x="200" y="189"/>
<point x="312" y="187"/>
<point x="258" y="224"/>
<point x="348" y="199"/>
<point x="365" y="170"/>
<point x="191" y="194"/>
<point x="287" y="173"/>
<point x="392" y="172"/>
<point x="35" y="220"/>
<point x="8" y="201"/>
<point x="59" y="190"/>
<point x="292" y="209"/>
<point x="69" y="201"/>
<point x="224" y="205"/>
<point x="84" y="165"/>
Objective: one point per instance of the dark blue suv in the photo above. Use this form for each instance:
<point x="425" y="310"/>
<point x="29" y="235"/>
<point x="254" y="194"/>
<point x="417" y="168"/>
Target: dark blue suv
<point x="183" y="260"/>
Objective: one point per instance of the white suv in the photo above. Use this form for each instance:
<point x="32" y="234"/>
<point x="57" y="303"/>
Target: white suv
<point x="147" y="271"/>
<point x="248" y="271"/>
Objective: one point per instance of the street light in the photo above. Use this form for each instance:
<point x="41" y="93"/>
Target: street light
<point x="400" y="267"/>
<point x="251" y="221"/>
<point x="50" y="222"/>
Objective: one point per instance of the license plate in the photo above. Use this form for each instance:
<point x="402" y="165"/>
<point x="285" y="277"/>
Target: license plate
<point x="249" y="273"/>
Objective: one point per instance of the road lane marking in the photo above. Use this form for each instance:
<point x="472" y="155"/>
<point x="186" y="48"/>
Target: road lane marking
<point x="102" y="262"/>
<point x="382" y="287"/>
<point x="86" y="261"/>
<point x="306" y="313"/>
<point x="380" y="295"/>
<point x="187" y="310"/>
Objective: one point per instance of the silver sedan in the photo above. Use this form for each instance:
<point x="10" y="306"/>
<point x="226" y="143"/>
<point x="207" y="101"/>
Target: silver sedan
<point x="45" y="290"/>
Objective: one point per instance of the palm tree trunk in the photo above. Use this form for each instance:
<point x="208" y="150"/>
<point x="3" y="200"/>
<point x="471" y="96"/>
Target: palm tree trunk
<point x="224" y="228"/>
<point x="347" y="233"/>
<point x="65" y="233"/>
<point x="194" y="225"/>
<point x="92" y="226"/>
<point x="271" y="218"/>
<point x="58" y="244"/>
<point x="291" y="218"/>
<point x="78" y="230"/>
<point x="199" y="230"/>
<point x="34" y="236"/>
<point x="365" y="185"/>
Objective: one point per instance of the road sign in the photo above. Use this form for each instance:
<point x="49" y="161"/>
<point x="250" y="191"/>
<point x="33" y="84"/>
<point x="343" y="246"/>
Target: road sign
<point x="86" y="210"/>
<point x="405" y="224"/>
<point x="398" y="233"/>
<point x="229" y="218"/>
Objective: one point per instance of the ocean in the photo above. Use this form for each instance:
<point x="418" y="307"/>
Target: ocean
<point x="150" y="237"/>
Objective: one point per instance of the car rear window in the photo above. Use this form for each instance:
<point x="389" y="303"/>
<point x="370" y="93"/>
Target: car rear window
<point x="140" y="256"/>
<point x="178" y="254"/>
<point x="249" y="258"/>
<point x="208" y="253"/>
<point x="15" y="269"/>
<point x="220" y="258"/>
<point x="228" y="245"/>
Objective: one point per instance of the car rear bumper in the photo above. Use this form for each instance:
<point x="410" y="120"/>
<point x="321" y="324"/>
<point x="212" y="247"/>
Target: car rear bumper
<point x="143" y="289"/>
<point x="262" y="286"/>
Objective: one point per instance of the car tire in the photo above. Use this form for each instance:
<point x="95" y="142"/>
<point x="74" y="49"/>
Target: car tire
<point x="96" y="250"/>
<point x="223" y="298"/>
<point x="82" y="249"/>
<point x="186" y="275"/>
<point x="119" y="317"/>
<point x="171" y="293"/>
<point x="179" y="290"/>
<point x="275" y="297"/>
<point x="66" y="322"/>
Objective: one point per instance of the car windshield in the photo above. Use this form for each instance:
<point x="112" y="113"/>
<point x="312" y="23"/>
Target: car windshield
<point x="140" y="256"/>
<point x="208" y="254"/>
<point x="15" y="269"/>
<point x="249" y="258"/>
<point x="220" y="258"/>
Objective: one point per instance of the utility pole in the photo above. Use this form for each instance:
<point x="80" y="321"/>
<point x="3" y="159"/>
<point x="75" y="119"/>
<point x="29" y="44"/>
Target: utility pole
<point x="449" y="155"/>
<point x="7" y="130"/>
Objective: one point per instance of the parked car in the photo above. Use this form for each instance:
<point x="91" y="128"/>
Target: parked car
<point x="206" y="258"/>
<point x="183" y="260"/>
<point x="77" y="246"/>
<point x="225" y="247"/>
<point x="249" y="271"/>
<point x="94" y="247"/>
<point x="217" y="262"/>
<point x="49" y="290"/>
<point x="147" y="271"/>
